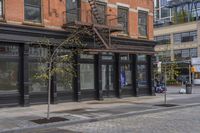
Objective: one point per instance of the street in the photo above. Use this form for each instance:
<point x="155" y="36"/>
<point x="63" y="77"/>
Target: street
<point x="184" y="120"/>
<point x="174" y="121"/>
<point x="126" y="115"/>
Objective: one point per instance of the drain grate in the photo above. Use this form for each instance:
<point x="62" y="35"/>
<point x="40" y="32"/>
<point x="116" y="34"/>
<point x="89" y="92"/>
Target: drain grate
<point x="51" y="120"/>
<point x="166" y="105"/>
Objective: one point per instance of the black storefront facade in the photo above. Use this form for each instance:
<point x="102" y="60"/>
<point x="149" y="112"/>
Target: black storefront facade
<point x="99" y="75"/>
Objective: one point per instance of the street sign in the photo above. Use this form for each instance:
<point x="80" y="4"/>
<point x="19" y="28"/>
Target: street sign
<point x="195" y="61"/>
<point x="159" y="66"/>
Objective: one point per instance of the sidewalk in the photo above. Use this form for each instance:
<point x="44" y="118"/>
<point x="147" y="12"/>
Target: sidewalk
<point x="19" y="117"/>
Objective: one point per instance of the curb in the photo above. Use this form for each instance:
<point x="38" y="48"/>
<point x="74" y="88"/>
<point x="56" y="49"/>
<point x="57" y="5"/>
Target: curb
<point x="67" y="123"/>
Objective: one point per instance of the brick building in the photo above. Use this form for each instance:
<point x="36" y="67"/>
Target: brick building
<point x="128" y="51"/>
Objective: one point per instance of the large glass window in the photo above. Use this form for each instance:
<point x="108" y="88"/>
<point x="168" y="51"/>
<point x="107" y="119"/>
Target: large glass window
<point x="9" y="56"/>
<point x="142" y="23"/>
<point x="125" y="76"/>
<point x="64" y="79"/>
<point x="123" y="18"/>
<point x="142" y="70"/>
<point x="1" y="8"/>
<point x="87" y="76"/>
<point x="36" y="85"/>
<point x="36" y="66"/>
<point x="32" y="10"/>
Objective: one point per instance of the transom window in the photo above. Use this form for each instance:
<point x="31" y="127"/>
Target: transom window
<point x="32" y="10"/>
<point x="142" y="23"/>
<point x="123" y="18"/>
<point x="1" y="8"/>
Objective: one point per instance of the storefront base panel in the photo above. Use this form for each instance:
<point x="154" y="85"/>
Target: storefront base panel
<point x="88" y="95"/>
<point x="109" y="94"/>
<point x="9" y="100"/>
<point x="38" y="98"/>
<point x="65" y="97"/>
<point x="127" y="93"/>
<point x="144" y="92"/>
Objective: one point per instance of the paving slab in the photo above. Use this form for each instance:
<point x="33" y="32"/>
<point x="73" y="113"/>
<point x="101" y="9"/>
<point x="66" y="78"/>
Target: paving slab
<point x="20" y="117"/>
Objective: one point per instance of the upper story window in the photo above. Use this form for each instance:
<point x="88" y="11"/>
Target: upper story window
<point x="142" y="23"/>
<point x="32" y="10"/>
<point x="185" y="54"/>
<point x="164" y="39"/>
<point x="101" y="7"/>
<point x="123" y="18"/>
<point x="73" y="10"/>
<point x="185" y="37"/>
<point x="1" y="8"/>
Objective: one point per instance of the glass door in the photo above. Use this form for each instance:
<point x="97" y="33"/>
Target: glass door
<point x="107" y="80"/>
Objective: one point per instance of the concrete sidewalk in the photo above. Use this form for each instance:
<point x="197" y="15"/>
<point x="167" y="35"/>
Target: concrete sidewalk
<point x="18" y="117"/>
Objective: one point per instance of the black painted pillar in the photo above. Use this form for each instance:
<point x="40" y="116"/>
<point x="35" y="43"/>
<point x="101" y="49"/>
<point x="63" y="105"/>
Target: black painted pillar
<point x="76" y="79"/>
<point x="53" y="83"/>
<point x="134" y="74"/>
<point x="98" y="77"/>
<point x="150" y="75"/>
<point x="117" y="84"/>
<point x="23" y="75"/>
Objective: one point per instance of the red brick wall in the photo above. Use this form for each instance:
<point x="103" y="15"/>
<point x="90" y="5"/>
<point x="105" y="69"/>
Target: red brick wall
<point x="53" y="13"/>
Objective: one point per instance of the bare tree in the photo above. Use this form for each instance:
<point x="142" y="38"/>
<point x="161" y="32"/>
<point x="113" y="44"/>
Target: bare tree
<point x="60" y="60"/>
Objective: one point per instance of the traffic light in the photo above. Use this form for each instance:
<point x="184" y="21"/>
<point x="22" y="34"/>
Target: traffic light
<point x="193" y="69"/>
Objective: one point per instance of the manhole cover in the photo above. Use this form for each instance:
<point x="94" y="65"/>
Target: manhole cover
<point x="51" y="120"/>
<point x="166" y="105"/>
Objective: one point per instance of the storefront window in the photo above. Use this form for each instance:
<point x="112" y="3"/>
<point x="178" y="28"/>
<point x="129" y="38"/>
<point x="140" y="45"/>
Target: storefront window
<point x="36" y="67"/>
<point x="64" y="79"/>
<point x="8" y="76"/>
<point x="125" y="76"/>
<point x="107" y="56"/>
<point x="142" y="71"/>
<point x="9" y="55"/>
<point x="142" y="75"/>
<point x="87" y="56"/>
<point x="87" y="76"/>
<point x="38" y="52"/>
<point x="9" y="50"/>
<point x="142" y="58"/>
<point x="35" y="84"/>
<point x="124" y="57"/>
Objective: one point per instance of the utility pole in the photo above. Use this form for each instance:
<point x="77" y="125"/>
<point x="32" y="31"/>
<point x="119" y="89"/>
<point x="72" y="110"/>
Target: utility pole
<point x="165" y="97"/>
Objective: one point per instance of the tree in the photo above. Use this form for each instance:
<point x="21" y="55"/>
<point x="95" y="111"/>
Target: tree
<point x="60" y="61"/>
